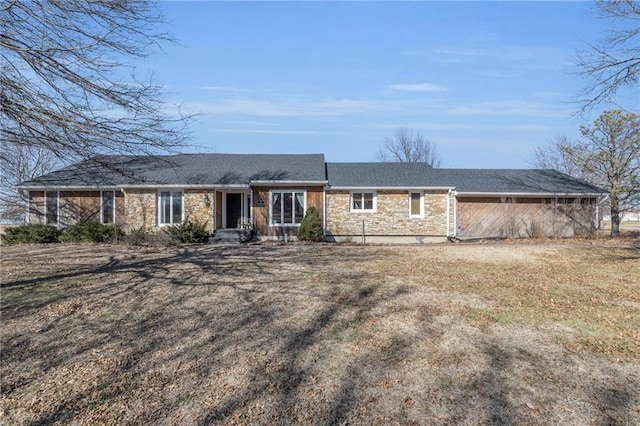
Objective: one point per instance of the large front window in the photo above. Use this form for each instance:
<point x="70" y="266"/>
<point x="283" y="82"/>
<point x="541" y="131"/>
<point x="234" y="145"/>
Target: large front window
<point x="170" y="206"/>
<point x="108" y="207"/>
<point x="287" y="207"/>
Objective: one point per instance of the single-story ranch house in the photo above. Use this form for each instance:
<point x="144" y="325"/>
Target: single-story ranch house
<point x="269" y="194"/>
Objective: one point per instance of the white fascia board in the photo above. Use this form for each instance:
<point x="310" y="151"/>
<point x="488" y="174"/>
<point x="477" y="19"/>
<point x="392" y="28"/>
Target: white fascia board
<point x="530" y="194"/>
<point x="397" y="188"/>
<point x="288" y="182"/>
<point x="114" y="187"/>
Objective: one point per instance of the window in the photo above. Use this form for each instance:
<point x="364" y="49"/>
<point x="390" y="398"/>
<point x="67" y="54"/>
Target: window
<point x="416" y="203"/>
<point x="287" y="207"/>
<point x="363" y="201"/>
<point x="170" y="207"/>
<point x="108" y="207"/>
<point x="51" y="204"/>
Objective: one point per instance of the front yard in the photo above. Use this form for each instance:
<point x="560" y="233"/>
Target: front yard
<point x="493" y="333"/>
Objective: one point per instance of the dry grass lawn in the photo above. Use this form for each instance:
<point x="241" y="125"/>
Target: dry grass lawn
<point x="487" y="333"/>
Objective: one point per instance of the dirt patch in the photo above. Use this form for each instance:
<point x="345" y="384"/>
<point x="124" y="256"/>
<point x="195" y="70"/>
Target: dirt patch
<point x="531" y="333"/>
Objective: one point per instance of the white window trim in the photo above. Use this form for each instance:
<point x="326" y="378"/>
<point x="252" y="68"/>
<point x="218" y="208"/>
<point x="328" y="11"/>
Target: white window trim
<point x="172" y="190"/>
<point x="102" y="210"/>
<point x="421" y="215"/>
<point x="46" y="209"/>
<point x="282" y="191"/>
<point x="363" y="210"/>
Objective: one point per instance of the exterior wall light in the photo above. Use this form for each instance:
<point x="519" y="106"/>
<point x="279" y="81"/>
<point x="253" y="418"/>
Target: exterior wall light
<point x="205" y="200"/>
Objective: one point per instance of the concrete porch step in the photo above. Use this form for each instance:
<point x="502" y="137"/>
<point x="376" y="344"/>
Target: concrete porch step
<point x="239" y="236"/>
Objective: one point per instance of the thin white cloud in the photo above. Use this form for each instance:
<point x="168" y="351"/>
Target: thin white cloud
<point x="223" y="89"/>
<point x="418" y="87"/>
<point x="457" y="126"/>
<point x="270" y="131"/>
<point x="509" y="107"/>
<point x="289" y="107"/>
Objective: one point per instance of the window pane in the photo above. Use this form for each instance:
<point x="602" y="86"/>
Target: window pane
<point x="415" y="203"/>
<point x="299" y="211"/>
<point x="287" y="208"/>
<point x="52" y="207"/>
<point x="368" y="201"/>
<point x="357" y="201"/>
<point x="165" y="207"/>
<point x="107" y="207"/>
<point x="276" y="208"/>
<point x="177" y="207"/>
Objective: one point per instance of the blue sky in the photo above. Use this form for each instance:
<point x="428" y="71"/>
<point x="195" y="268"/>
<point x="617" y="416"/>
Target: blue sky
<point x="487" y="82"/>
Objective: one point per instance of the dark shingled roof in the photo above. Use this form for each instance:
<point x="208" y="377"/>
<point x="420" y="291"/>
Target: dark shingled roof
<point x="241" y="169"/>
<point x="407" y="175"/>
<point x="186" y="169"/>
<point x="378" y="175"/>
<point x="512" y="181"/>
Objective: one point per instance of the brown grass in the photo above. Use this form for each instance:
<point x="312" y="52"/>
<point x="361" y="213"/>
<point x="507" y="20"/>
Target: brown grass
<point x="507" y="333"/>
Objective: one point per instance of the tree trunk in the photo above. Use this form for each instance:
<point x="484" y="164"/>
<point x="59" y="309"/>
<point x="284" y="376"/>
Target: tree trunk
<point x="615" y="217"/>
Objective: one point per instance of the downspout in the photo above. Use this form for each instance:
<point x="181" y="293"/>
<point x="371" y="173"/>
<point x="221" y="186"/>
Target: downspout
<point x="324" y="211"/>
<point x="455" y="213"/>
<point x="448" y="213"/>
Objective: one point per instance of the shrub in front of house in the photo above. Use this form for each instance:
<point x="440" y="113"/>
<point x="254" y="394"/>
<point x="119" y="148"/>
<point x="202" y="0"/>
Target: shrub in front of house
<point x="188" y="232"/>
<point x="27" y="234"/>
<point x="91" y="232"/>
<point x="311" y="226"/>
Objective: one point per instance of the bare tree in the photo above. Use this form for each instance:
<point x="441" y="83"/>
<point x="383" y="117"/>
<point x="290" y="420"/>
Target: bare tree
<point x="610" y="156"/>
<point x="615" y="62"/>
<point x="17" y="164"/>
<point x="560" y="155"/>
<point x="67" y="81"/>
<point x="410" y="147"/>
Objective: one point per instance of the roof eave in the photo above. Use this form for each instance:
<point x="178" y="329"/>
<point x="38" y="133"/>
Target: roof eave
<point x="288" y="182"/>
<point x="532" y="194"/>
<point x="436" y="188"/>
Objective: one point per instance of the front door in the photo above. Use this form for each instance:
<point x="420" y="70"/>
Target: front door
<point x="234" y="210"/>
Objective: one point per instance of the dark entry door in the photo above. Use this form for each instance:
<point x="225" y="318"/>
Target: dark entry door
<point x="234" y="210"/>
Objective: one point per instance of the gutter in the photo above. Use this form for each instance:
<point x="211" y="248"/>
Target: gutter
<point x="398" y="188"/>
<point x="530" y="194"/>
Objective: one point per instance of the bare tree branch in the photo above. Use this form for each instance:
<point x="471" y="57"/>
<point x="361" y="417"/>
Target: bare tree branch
<point x="608" y="156"/>
<point x="410" y="147"/>
<point x="65" y="84"/>
<point x="17" y="164"/>
<point x="615" y="62"/>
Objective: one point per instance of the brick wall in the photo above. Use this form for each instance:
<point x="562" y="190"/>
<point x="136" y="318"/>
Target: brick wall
<point x="391" y="216"/>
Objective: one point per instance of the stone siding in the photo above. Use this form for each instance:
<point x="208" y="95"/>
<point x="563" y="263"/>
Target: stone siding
<point x="391" y="216"/>
<point x="141" y="212"/>
<point x="195" y="209"/>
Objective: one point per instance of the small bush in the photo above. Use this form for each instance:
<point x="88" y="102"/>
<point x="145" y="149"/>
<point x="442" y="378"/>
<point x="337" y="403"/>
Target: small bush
<point x="311" y="226"/>
<point x="188" y="232"/>
<point x="91" y="232"/>
<point x="535" y="229"/>
<point x="35" y="233"/>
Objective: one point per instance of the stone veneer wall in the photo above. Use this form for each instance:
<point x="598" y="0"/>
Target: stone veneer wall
<point x="141" y="208"/>
<point x="391" y="216"/>
<point x="195" y="209"/>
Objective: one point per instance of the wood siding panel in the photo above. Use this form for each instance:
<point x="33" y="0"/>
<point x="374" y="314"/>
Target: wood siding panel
<point x="528" y="217"/>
